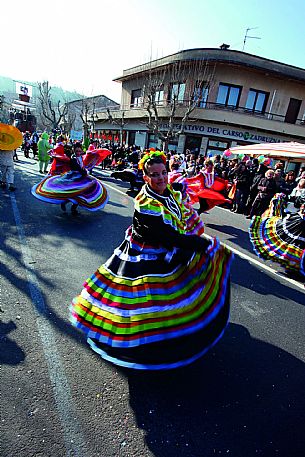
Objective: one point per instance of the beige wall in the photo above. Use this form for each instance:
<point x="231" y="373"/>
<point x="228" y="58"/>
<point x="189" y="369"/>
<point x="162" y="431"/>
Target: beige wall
<point x="280" y="89"/>
<point x="253" y="79"/>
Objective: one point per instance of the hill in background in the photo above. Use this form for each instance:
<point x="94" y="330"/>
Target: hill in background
<point x="8" y="89"/>
<point x="32" y="117"/>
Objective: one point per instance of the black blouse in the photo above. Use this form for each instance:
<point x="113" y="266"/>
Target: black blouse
<point x="153" y="230"/>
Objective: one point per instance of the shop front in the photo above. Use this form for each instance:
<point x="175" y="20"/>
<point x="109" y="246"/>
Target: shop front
<point x="208" y="139"/>
<point x="216" y="147"/>
<point x="192" y="144"/>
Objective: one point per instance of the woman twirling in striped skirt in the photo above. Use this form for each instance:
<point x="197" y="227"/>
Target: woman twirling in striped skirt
<point x="280" y="237"/>
<point x="75" y="186"/>
<point x="162" y="299"/>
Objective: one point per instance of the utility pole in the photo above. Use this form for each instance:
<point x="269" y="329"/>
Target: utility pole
<point x="247" y="36"/>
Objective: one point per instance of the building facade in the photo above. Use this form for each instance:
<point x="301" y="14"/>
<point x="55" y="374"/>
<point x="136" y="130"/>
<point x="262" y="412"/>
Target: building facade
<point x="237" y="99"/>
<point x="85" y="109"/>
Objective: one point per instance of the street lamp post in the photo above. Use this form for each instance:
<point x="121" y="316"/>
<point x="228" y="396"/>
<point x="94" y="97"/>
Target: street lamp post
<point x="93" y="122"/>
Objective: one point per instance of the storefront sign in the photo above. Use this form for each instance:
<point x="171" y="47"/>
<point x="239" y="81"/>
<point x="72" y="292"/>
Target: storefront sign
<point x="226" y="132"/>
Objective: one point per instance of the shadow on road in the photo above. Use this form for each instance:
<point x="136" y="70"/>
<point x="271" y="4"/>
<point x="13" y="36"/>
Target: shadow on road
<point x="248" y="276"/>
<point x="50" y="230"/>
<point x="242" y="400"/>
<point x="10" y="352"/>
<point x="237" y="236"/>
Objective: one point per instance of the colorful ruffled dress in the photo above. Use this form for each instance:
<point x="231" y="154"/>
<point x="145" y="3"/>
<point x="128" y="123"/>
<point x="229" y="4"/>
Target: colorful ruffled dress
<point x="60" y="161"/>
<point x="279" y="237"/>
<point x="75" y="186"/>
<point x="203" y="186"/>
<point x="162" y="299"/>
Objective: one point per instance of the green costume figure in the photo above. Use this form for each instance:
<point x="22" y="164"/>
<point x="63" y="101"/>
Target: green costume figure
<point x="86" y="143"/>
<point x="43" y="147"/>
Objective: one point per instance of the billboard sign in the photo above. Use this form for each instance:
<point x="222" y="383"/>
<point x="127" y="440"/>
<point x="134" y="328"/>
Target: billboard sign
<point x="24" y="89"/>
<point x="76" y="135"/>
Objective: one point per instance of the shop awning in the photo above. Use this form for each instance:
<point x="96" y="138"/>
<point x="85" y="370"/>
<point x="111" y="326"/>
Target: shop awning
<point x="290" y="151"/>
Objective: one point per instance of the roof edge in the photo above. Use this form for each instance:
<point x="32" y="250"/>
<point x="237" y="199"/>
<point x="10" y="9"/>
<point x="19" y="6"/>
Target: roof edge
<point x="220" y="55"/>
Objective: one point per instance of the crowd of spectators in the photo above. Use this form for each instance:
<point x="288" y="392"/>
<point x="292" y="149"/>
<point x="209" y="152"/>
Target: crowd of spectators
<point x="251" y="183"/>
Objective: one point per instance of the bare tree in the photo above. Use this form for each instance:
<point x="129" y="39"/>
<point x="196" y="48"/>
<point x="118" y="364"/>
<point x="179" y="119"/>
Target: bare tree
<point x="4" y="109"/>
<point x="118" y="120"/>
<point x="52" y="113"/>
<point x="85" y="117"/>
<point x="187" y="86"/>
<point x="88" y="117"/>
<point x="68" y="120"/>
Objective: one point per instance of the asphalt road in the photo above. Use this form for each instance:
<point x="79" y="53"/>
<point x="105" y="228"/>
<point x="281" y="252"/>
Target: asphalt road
<point x="59" y="399"/>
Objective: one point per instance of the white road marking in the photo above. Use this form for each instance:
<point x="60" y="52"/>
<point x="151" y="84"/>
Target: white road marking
<point x="117" y="190"/>
<point x="26" y="169"/>
<point x="265" y="267"/>
<point x="253" y="308"/>
<point x="74" y="440"/>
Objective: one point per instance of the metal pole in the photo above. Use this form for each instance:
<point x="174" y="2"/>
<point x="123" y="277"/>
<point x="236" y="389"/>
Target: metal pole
<point x="271" y="104"/>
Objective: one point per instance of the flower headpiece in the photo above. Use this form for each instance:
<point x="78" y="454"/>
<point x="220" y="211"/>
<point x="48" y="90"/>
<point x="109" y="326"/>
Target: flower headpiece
<point x="150" y="155"/>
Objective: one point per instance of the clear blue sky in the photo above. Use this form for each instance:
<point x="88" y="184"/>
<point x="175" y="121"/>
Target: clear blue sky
<point x="83" y="46"/>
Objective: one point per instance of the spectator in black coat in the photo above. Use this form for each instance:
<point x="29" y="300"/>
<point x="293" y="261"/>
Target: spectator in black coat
<point x="217" y="165"/>
<point x="242" y="182"/>
<point x="260" y="173"/>
<point x="280" y="181"/>
<point x="290" y="183"/>
<point x="266" y="190"/>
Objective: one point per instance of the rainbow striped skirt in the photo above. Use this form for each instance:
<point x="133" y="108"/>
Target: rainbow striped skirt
<point x="86" y="191"/>
<point x="281" y="240"/>
<point x="151" y="309"/>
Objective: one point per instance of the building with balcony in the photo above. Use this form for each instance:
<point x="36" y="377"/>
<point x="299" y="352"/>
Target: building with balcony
<point x="236" y="98"/>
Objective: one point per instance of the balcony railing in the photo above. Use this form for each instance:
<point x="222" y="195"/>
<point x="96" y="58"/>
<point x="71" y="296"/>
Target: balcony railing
<point x="263" y="115"/>
<point x="216" y="106"/>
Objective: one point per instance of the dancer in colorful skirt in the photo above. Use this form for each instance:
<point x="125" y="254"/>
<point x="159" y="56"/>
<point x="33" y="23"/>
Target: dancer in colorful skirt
<point x="162" y="299"/>
<point x="204" y="188"/>
<point x="75" y="186"/>
<point x="279" y="237"/>
<point x="60" y="160"/>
